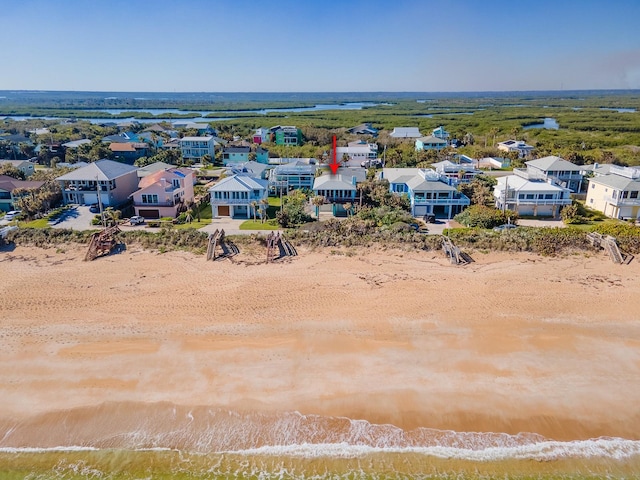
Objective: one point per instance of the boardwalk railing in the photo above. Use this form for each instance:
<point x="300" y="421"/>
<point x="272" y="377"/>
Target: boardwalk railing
<point x="609" y="244"/>
<point x="218" y="239"/>
<point x="278" y="243"/>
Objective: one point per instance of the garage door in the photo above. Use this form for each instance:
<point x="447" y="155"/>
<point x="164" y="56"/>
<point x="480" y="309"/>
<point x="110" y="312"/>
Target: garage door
<point x="223" y="210"/>
<point x="149" y="213"/>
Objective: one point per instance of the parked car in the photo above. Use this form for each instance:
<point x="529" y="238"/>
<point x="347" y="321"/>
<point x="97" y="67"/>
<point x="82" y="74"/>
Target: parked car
<point x="136" y="220"/>
<point x="371" y="164"/>
<point x="505" y="227"/>
<point x="95" y="208"/>
<point x="12" y="215"/>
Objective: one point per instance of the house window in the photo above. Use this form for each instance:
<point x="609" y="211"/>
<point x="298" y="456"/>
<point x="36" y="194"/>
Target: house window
<point x="548" y="196"/>
<point x="633" y="194"/>
<point x="149" y="198"/>
<point x="530" y="196"/>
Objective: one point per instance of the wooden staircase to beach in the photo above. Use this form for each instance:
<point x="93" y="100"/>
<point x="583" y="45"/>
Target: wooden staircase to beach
<point x="218" y="241"/>
<point x="610" y="245"/>
<point x="453" y="253"/>
<point x="278" y="243"/>
<point x="102" y="243"/>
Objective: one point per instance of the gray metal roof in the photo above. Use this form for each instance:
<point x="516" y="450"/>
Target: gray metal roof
<point x="334" y="182"/>
<point x="617" y="182"/>
<point x="100" y="170"/>
<point x="239" y="183"/>
<point x="419" y="184"/>
<point x="553" y="163"/>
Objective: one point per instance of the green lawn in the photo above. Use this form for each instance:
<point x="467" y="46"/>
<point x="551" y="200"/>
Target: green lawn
<point x="205" y="219"/>
<point x="257" y="225"/>
<point x="44" y="222"/>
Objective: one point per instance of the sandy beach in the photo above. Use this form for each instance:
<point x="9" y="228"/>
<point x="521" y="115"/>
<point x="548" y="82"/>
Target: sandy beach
<point x="509" y="343"/>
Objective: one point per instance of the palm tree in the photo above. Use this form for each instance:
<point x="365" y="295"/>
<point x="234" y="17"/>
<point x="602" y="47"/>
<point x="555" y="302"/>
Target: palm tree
<point x="317" y="201"/>
<point x="347" y="207"/>
<point x="493" y="131"/>
<point x="254" y="207"/>
<point x="515" y="131"/>
<point x="264" y="203"/>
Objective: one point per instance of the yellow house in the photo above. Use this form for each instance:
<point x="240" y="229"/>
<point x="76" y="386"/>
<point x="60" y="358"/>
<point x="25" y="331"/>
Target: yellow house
<point x="617" y="193"/>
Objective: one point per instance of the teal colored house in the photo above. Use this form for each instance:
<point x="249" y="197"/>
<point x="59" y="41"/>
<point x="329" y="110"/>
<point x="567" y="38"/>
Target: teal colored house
<point x="235" y="155"/>
<point x="262" y="155"/>
<point x="430" y="143"/>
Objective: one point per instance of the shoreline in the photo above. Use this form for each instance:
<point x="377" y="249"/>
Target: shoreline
<point x="510" y="343"/>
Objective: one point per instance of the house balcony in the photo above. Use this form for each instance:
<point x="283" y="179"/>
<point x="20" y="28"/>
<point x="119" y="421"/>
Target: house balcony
<point x="528" y="174"/>
<point x="235" y="201"/>
<point x="157" y="204"/>
<point x="463" y="200"/>
<point x="623" y="202"/>
<point x="535" y="201"/>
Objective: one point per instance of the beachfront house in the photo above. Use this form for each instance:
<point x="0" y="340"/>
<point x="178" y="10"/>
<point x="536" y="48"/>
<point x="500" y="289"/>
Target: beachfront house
<point x="164" y="193"/>
<point x="12" y="189"/>
<point x="405" y="132"/>
<point x="114" y="181"/>
<point x="238" y="196"/>
<point x="428" y="191"/>
<point x="523" y="150"/>
<point x="617" y="193"/>
<point x="430" y="143"/>
<point x="559" y="170"/>
<point x="528" y="195"/>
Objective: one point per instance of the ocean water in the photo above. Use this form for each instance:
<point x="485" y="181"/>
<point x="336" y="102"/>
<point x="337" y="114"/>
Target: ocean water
<point x="140" y="441"/>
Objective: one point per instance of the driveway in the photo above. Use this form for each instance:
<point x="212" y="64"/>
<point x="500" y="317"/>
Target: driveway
<point x="547" y="222"/>
<point x="231" y="226"/>
<point x="76" y="217"/>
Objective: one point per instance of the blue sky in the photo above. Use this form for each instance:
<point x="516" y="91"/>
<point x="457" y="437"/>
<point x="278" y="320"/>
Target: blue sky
<point x="315" y="45"/>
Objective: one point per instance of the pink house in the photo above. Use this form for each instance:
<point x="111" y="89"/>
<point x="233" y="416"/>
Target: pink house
<point x="165" y="193"/>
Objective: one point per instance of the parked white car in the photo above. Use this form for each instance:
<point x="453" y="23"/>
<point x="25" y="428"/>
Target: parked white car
<point x="12" y="215"/>
<point x="136" y="220"/>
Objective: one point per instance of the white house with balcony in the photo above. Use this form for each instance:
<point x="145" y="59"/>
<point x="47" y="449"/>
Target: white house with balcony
<point x="456" y="173"/>
<point x="428" y="191"/>
<point x="530" y="196"/>
<point x="617" y="193"/>
<point x="194" y="148"/>
<point x="237" y="196"/>
<point x="355" y="153"/>
<point x="559" y="170"/>
<point x="292" y="176"/>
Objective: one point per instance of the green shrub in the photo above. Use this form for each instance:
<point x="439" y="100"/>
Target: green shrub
<point x="485" y="217"/>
